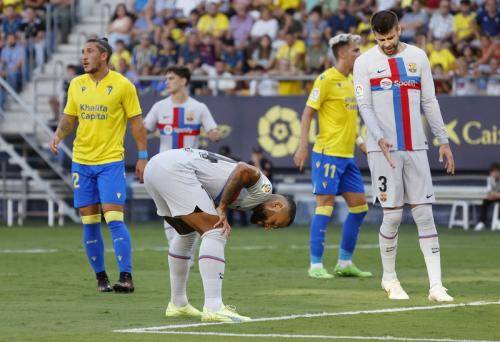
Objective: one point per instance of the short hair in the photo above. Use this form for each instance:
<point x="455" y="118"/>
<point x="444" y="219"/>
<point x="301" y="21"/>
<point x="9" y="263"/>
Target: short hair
<point x="495" y="167"/>
<point x="292" y="209"/>
<point x="102" y="45"/>
<point x="384" y="21"/>
<point x="181" y="71"/>
<point x="341" y="40"/>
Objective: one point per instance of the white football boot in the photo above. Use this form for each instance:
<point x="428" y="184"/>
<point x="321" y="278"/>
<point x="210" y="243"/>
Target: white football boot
<point x="394" y="290"/>
<point x="438" y="294"/>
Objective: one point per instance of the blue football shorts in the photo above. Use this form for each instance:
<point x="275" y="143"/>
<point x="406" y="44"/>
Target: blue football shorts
<point x="99" y="184"/>
<point x="335" y="175"/>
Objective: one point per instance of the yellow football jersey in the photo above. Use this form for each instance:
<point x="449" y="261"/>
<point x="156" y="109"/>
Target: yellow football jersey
<point x="333" y="97"/>
<point x="102" y="109"/>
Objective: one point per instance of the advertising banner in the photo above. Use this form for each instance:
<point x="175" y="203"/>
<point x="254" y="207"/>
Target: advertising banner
<point x="273" y="123"/>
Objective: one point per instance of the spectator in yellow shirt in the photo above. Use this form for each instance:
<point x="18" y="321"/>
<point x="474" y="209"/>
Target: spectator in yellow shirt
<point x="213" y="22"/>
<point x="443" y="56"/>
<point x="285" y="87"/>
<point x="293" y="51"/>
<point x="120" y="53"/>
<point x="464" y="26"/>
<point x="286" y="4"/>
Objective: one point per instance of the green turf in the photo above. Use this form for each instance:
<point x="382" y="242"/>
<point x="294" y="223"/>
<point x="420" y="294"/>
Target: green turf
<point x="51" y="296"/>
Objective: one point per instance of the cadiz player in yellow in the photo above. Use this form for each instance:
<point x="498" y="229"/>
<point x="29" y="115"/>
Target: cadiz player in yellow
<point x="102" y="101"/>
<point x="334" y="170"/>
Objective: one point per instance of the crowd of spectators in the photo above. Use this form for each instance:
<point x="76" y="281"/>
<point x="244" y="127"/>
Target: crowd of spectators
<point x="289" y="38"/>
<point x="24" y="40"/>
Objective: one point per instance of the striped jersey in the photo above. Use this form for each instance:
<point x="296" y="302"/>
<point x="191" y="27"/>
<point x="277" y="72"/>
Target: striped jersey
<point x="179" y="124"/>
<point x="390" y="91"/>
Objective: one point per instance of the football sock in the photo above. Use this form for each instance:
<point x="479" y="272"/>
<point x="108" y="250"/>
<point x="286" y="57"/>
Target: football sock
<point x="170" y="232"/>
<point x="388" y="242"/>
<point x="321" y="218"/>
<point x="212" y="265"/>
<point x="429" y="242"/>
<point x="93" y="242"/>
<point x="121" y="240"/>
<point x="179" y="254"/>
<point x="350" y="231"/>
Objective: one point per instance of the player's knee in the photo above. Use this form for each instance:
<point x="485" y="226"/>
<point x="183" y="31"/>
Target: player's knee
<point x="359" y="210"/>
<point x="214" y="234"/>
<point x="91" y="219"/>
<point x="182" y="245"/>
<point x="424" y="219"/>
<point x="112" y="215"/>
<point x="325" y="210"/>
<point x="391" y="222"/>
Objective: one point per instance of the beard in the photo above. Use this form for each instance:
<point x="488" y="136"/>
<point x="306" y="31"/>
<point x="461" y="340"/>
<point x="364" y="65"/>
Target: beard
<point x="393" y="48"/>
<point x="258" y="215"/>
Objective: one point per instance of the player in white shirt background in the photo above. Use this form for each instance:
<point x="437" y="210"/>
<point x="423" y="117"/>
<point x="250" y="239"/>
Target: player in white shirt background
<point x="392" y="82"/>
<point x="179" y="119"/>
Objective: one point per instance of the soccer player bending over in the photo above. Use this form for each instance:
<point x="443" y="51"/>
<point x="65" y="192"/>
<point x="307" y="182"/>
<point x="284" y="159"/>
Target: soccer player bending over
<point x="392" y="81"/>
<point x="102" y="101"/>
<point x="192" y="190"/>
<point x="334" y="170"/>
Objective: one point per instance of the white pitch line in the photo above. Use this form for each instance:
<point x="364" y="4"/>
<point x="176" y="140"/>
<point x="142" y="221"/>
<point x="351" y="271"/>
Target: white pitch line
<point x="324" y="337"/>
<point x="313" y="315"/>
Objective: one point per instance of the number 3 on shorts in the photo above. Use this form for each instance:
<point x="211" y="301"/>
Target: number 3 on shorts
<point x="383" y="183"/>
<point x="76" y="178"/>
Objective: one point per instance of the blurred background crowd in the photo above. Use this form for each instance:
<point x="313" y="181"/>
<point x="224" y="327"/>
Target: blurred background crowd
<point x="265" y="38"/>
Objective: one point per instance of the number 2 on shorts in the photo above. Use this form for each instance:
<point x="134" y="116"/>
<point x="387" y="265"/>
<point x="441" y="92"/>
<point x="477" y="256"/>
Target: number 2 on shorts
<point x="76" y="178"/>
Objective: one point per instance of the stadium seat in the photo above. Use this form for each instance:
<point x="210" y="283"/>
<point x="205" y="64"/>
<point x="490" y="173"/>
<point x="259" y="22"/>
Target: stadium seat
<point x="461" y="222"/>
<point x="495" y="220"/>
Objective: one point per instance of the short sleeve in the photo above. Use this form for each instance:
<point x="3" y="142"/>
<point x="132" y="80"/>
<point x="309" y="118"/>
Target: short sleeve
<point x="71" y="107"/>
<point x="317" y="95"/>
<point x="151" y="120"/>
<point x="130" y="100"/>
<point x="255" y="195"/>
<point x="207" y="119"/>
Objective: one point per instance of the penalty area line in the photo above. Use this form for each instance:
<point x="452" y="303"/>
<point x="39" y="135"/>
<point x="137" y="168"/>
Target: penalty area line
<point x="310" y="315"/>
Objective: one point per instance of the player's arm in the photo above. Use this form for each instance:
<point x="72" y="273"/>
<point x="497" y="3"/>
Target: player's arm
<point x="433" y="115"/>
<point x="243" y="176"/>
<point x="362" y="89"/>
<point x="300" y="156"/>
<point x="139" y="134"/>
<point x="151" y="119"/>
<point x="209" y="125"/>
<point x="64" y="128"/>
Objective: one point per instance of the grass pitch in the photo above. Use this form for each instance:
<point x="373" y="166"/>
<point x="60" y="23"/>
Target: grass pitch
<point x="47" y="289"/>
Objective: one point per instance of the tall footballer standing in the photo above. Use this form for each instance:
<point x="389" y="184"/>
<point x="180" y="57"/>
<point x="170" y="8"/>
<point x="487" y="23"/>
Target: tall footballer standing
<point x="334" y="169"/>
<point x="102" y="101"/>
<point x="392" y="82"/>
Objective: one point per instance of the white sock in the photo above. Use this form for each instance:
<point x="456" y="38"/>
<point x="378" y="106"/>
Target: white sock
<point x="212" y="265"/>
<point x="316" y="265"/>
<point x="196" y="243"/>
<point x="178" y="263"/>
<point x="170" y="232"/>
<point x="388" y="242"/>
<point x="344" y="263"/>
<point x="429" y="242"/>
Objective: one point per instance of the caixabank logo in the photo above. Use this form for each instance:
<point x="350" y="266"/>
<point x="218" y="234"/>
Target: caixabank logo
<point x="472" y="132"/>
<point x="279" y="131"/>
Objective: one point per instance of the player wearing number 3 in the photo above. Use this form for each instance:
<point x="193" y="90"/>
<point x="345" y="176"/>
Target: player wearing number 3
<point x="102" y="101"/>
<point x="334" y="170"/>
<point x="392" y="81"/>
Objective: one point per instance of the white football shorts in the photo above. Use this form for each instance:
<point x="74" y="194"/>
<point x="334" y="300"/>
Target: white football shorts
<point x="409" y="182"/>
<point x="175" y="187"/>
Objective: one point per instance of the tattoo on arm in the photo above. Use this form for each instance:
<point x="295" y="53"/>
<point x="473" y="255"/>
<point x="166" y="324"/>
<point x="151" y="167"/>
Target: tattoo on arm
<point x="65" y="126"/>
<point x="242" y="176"/>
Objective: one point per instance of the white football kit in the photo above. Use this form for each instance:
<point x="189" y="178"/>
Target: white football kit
<point x="390" y="92"/>
<point x="179" y="124"/>
<point x="183" y="179"/>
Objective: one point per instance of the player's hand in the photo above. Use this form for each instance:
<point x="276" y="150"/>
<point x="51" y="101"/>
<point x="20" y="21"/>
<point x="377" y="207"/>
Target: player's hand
<point x="55" y="143"/>
<point x="139" y="169"/>
<point x="385" y="146"/>
<point x="300" y="158"/>
<point x="446" y="156"/>
<point x="223" y="224"/>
